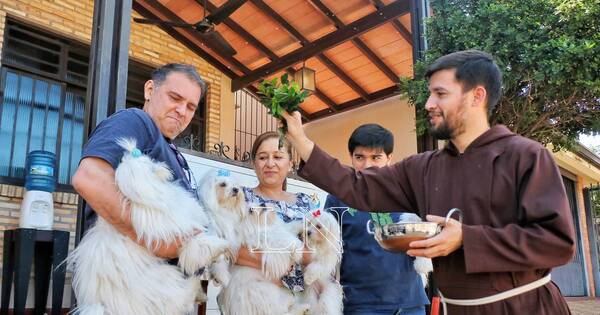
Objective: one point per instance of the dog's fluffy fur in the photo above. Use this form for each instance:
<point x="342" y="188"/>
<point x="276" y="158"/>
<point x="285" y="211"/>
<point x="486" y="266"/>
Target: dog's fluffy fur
<point x="255" y="292"/>
<point x="223" y="198"/>
<point x="115" y="275"/>
<point x="323" y="292"/>
<point x="422" y="265"/>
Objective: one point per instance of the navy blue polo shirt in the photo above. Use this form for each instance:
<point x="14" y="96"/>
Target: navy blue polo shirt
<point x="374" y="279"/>
<point x="135" y="124"/>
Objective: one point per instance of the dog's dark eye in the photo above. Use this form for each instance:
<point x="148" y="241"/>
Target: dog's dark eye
<point x="319" y="226"/>
<point x="222" y="184"/>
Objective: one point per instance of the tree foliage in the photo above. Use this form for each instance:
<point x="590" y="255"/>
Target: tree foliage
<point x="548" y="51"/>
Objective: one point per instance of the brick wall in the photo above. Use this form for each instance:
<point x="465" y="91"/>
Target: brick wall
<point x="65" y="212"/>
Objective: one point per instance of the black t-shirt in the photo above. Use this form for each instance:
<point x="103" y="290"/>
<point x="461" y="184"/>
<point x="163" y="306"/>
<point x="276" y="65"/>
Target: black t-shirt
<point x="135" y="124"/>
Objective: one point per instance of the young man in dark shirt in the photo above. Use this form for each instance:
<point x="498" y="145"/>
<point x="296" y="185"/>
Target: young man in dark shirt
<point x="375" y="281"/>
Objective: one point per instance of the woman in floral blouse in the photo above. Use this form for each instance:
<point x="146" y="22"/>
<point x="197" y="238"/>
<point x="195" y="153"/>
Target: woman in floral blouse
<point x="272" y="164"/>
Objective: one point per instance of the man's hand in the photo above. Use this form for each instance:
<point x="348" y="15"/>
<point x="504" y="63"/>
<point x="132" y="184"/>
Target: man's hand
<point x="449" y="240"/>
<point x="296" y="136"/>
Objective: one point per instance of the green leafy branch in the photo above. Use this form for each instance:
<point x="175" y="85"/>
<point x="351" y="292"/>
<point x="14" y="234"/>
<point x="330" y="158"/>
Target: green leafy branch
<point x="279" y="95"/>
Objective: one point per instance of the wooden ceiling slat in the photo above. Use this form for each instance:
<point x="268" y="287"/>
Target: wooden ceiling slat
<point x="306" y="20"/>
<point x="349" y="10"/>
<point x="348" y="32"/>
<point x="392" y="50"/>
<point x="313" y="104"/>
<point x="347" y="96"/>
<point x="357" y="41"/>
<point x="185" y="41"/>
<point x="381" y="36"/>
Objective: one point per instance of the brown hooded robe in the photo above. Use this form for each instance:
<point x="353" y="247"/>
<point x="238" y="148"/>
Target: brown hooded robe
<point x="517" y="221"/>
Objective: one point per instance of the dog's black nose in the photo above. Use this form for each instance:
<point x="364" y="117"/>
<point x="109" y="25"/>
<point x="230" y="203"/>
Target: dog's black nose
<point x="235" y="190"/>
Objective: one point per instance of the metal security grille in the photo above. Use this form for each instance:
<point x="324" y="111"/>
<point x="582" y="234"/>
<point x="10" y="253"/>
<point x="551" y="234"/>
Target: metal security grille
<point x="251" y="120"/>
<point x="39" y="114"/>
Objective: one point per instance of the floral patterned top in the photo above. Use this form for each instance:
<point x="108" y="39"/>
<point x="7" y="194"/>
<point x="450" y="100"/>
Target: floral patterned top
<point x="288" y="212"/>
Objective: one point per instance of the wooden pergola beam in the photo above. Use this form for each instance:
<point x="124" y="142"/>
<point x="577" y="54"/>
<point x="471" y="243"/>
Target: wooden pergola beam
<point x="171" y="16"/>
<point x="304" y="41"/>
<point x="242" y="32"/>
<point x="403" y="31"/>
<point x="356" y="41"/>
<point x="358" y="102"/>
<point x="139" y="8"/>
<point x="350" y="31"/>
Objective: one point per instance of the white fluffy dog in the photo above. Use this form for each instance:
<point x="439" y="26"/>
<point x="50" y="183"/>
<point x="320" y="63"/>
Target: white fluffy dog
<point x="114" y="275"/>
<point x="258" y="292"/>
<point x="224" y="200"/>
<point x="323" y="292"/>
<point x="422" y="265"/>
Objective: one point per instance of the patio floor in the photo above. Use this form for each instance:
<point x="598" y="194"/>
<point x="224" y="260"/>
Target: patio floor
<point x="584" y="306"/>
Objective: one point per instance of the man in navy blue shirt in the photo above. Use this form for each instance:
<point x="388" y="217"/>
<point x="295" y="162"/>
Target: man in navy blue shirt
<point x="172" y="96"/>
<point x="375" y="281"/>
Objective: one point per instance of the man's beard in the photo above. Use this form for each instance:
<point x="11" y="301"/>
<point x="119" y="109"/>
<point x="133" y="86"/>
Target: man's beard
<point x="442" y="132"/>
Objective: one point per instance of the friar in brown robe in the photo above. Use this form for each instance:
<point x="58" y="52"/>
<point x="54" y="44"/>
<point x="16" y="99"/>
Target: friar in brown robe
<point x="517" y="224"/>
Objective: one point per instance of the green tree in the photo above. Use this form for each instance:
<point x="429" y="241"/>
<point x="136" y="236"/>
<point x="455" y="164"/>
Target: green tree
<point x="548" y="51"/>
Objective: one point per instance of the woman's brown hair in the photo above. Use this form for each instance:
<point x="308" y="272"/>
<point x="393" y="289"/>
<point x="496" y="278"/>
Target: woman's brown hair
<point x="262" y="138"/>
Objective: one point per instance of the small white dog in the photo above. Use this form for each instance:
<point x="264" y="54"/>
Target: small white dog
<point x="323" y="292"/>
<point x="224" y="200"/>
<point x="114" y="275"/>
<point x="422" y="265"/>
<point x="258" y="292"/>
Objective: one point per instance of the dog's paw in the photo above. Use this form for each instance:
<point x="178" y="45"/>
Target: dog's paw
<point x="310" y="276"/>
<point x="200" y="251"/>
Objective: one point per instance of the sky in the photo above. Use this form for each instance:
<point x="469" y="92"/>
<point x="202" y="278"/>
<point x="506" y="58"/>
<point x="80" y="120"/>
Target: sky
<point x="590" y="141"/>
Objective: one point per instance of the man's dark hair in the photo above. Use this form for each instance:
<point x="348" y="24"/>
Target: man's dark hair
<point x="159" y="75"/>
<point x="473" y="67"/>
<point x="371" y="136"/>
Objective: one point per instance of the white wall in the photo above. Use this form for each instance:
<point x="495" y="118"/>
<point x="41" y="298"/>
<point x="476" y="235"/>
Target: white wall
<point x="332" y="133"/>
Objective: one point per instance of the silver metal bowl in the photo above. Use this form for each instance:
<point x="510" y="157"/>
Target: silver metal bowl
<point x="396" y="237"/>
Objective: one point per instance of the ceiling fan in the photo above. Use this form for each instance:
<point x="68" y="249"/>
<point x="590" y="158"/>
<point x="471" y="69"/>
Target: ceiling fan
<point x="206" y="27"/>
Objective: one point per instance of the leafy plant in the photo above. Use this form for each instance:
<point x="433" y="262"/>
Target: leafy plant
<point x="281" y="95"/>
<point x="548" y="51"/>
